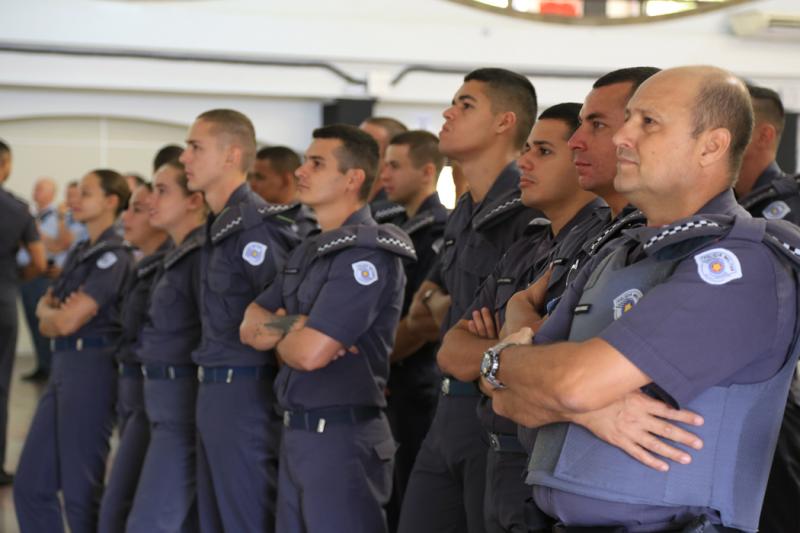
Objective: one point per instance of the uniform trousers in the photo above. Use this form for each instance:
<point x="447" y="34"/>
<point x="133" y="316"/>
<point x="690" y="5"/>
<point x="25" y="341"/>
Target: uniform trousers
<point x="8" y="347"/>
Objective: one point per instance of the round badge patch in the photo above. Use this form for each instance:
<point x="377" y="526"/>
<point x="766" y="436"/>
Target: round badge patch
<point x="365" y="272"/>
<point x="718" y="266"/>
<point x="625" y="302"/>
<point x="106" y="260"/>
<point x="254" y="253"/>
<point x="776" y="210"/>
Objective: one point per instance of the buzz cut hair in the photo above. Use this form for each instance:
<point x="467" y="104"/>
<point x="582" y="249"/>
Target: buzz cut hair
<point x="358" y="151"/>
<point x="283" y="159"/>
<point x="423" y="148"/>
<point x="238" y="129"/>
<point x="567" y="112"/>
<point x="509" y="91"/>
<point x="4" y="148"/>
<point x="391" y="125"/>
<point x="767" y="107"/>
<point x="633" y="75"/>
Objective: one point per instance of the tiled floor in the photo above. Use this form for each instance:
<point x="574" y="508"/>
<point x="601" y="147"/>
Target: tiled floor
<point x="24" y="397"/>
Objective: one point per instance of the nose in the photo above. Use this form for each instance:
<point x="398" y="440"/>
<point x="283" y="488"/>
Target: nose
<point x="183" y="156"/>
<point x="577" y="141"/>
<point x="526" y="161"/>
<point x="448" y="113"/>
<point x="623" y="138"/>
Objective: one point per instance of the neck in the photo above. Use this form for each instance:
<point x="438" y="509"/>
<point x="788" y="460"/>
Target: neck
<point x="560" y="216"/>
<point x="482" y="171"/>
<point x="186" y="225"/>
<point x="333" y="216"/>
<point x="152" y="244"/>
<point x="98" y="226"/>
<point x="289" y="196"/>
<point x="412" y="207"/>
<point x="220" y="191"/>
<point x="749" y="174"/>
<point x="615" y="201"/>
<point x="668" y="209"/>
<point x="42" y="207"/>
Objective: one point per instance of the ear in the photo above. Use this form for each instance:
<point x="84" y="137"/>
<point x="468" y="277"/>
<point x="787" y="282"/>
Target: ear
<point x="112" y="202"/>
<point x="505" y="121"/>
<point x="196" y="200"/>
<point x="355" y="178"/>
<point x="287" y="179"/>
<point x="429" y="171"/>
<point x="233" y="156"/>
<point x="714" y="146"/>
<point x="764" y="134"/>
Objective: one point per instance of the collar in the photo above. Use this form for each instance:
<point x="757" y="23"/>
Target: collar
<point x="360" y="217"/>
<point x="596" y="208"/>
<point x="770" y="174"/>
<point x="242" y="194"/>
<point x="431" y="203"/>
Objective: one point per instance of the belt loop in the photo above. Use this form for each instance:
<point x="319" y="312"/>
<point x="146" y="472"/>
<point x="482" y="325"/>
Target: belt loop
<point x="200" y="374"/>
<point x="171" y="372"/>
<point x="53" y="344"/>
<point x="287" y="418"/>
<point x="321" y="425"/>
<point x="229" y="378"/>
<point x="144" y="371"/>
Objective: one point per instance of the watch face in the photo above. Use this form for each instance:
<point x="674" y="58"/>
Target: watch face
<point x="486" y="364"/>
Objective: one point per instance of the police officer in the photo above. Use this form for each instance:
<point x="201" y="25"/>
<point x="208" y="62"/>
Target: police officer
<point x="549" y="182"/>
<point x="166" y="493"/>
<point x="763" y="188"/>
<point x="68" y="440"/>
<point x="19" y="229"/>
<point x="134" y="429"/>
<point x="246" y="245"/>
<point x="272" y="179"/>
<point x="331" y="316"/>
<point x="410" y="171"/>
<point x="701" y="254"/>
<point x="484" y="130"/>
<point x="383" y="130"/>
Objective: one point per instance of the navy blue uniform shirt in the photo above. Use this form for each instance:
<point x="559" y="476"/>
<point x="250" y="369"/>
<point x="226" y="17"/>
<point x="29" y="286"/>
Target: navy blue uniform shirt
<point x="747" y="323"/>
<point x="350" y="301"/>
<point x="775" y="195"/>
<point x="173" y="327"/>
<point x="243" y="252"/>
<point x="18" y="227"/>
<point x="476" y="237"/>
<point x="101" y="270"/>
<point x="136" y="302"/>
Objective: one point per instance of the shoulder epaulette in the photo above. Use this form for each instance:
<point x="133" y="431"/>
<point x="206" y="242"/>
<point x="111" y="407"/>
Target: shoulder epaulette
<point x="417" y="223"/>
<point x="176" y="254"/>
<point x="148" y="269"/>
<point x="499" y="209"/>
<point x="695" y="227"/>
<point x="779" y="188"/>
<point x="631" y="220"/>
<point x="536" y="225"/>
<point x="102" y="246"/>
<point x="387" y="236"/>
<point x="784" y="237"/>
<point x="243" y="216"/>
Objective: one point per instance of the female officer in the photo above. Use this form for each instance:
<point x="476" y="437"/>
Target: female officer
<point x="166" y="492"/>
<point x="134" y="429"/>
<point x="67" y="443"/>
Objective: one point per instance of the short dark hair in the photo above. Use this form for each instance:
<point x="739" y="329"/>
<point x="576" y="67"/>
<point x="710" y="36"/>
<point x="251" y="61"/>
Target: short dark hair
<point x="722" y="104"/>
<point x="113" y="183"/>
<point x="182" y="179"/>
<point x="633" y="75"/>
<point x="358" y="150"/>
<point x="238" y="126"/>
<point x="4" y="148"/>
<point x="282" y="158"/>
<point x="509" y="91"/>
<point x="567" y="112"/>
<point x="391" y="125"/>
<point x="423" y="148"/>
<point x="767" y="106"/>
<point x="166" y="154"/>
<point x="137" y="178"/>
<point x="73" y="183"/>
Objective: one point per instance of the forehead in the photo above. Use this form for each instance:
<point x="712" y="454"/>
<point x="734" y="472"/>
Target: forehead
<point x="549" y="130"/>
<point x="474" y="88"/>
<point x="165" y="173"/>
<point x="665" y="95"/>
<point x="263" y="165"/>
<point x="201" y="129"/>
<point x="140" y="194"/>
<point x="397" y="151"/>
<point x="375" y="131"/>
<point x="323" y="148"/>
<point x="90" y="181"/>
<point x="608" y="100"/>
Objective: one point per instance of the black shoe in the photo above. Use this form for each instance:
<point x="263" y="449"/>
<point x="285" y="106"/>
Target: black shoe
<point x="37" y="376"/>
<point x="6" y="478"/>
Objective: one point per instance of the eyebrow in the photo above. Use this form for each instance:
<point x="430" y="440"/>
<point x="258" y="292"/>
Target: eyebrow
<point x="463" y="97"/>
<point x="542" y="143"/>
<point x="595" y="115"/>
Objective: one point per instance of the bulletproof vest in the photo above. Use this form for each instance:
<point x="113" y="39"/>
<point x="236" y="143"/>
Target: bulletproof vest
<point x="350" y="380"/>
<point x="730" y="473"/>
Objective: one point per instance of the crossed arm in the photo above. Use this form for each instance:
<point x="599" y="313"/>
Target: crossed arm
<point x="57" y="319"/>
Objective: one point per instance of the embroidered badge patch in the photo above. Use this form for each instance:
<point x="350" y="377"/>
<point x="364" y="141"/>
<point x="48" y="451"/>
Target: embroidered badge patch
<point x="625" y="302"/>
<point x="365" y="272"/>
<point x="776" y="210"/>
<point x="254" y="253"/>
<point x="718" y="266"/>
<point x="106" y="260"/>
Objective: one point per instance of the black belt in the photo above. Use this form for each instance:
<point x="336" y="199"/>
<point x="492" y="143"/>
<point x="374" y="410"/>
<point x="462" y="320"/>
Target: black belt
<point x="453" y="387"/>
<point x="227" y="374"/>
<point x="79" y="343"/>
<point x="129" y="370"/>
<point x="700" y="524"/>
<point x="317" y="420"/>
<point x="506" y="443"/>
<point x="169" y="371"/>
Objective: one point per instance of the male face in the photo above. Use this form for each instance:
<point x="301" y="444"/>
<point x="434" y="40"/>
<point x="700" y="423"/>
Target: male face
<point x="44" y="191"/>
<point x="401" y="180"/>
<point x="319" y="181"/>
<point x="205" y="156"/>
<point x="656" y="152"/>
<point x="469" y="122"/>
<point x="266" y="181"/>
<point x="378" y="133"/>
<point x="594" y="153"/>
<point x="5" y="166"/>
<point x="549" y="179"/>
<point x="73" y="196"/>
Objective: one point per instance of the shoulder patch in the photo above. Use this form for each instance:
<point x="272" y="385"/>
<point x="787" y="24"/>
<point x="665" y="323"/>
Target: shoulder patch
<point x="626" y="301"/>
<point x="106" y="260"/>
<point x="365" y="272"/>
<point x="718" y="266"/>
<point x="254" y="253"/>
<point x="776" y="210"/>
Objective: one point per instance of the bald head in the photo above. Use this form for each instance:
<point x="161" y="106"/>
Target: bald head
<point x="44" y="192"/>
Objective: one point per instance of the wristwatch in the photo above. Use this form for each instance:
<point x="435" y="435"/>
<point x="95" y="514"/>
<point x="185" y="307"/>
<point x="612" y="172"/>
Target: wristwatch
<point x="491" y="364"/>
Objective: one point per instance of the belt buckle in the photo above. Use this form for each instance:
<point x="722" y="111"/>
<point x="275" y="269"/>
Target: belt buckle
<point x="494" y="442"/>
<point x="171" y="372"/>
<point x="144" y="371"/>
<point x="79" y="344"/>
<point x="229" y="377"/>
<point x="287" y="417"/>
<point x="445" y="386"/>
<point x="321" y="425"/>
<point x="200" y="374"/>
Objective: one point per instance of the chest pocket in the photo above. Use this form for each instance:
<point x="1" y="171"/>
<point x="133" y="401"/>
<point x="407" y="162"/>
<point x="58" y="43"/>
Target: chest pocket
<point x="479" y="256"/>
<point x="73" y="281"/>
<point x="301" y="288"/>
<point x="506" y="288"/>
<point x="164" y="296"/>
